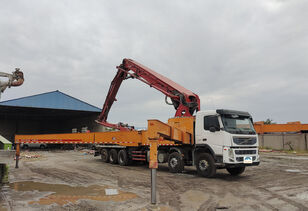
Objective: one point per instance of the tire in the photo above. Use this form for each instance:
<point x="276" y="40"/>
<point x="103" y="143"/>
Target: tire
<point x="236" y="171"/>
<point x="206" y="165"/>
<point x="122" y="157"/>
<point x="175" y="163"/>
<point x="42" y="146"/>
<point x="113" y="156"/>
<point x="105" y="155"/>
<point x="25" y="146"/>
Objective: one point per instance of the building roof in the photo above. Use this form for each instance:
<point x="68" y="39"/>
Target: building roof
<point x="4" y="140"/>
<point x="51" y="100"/>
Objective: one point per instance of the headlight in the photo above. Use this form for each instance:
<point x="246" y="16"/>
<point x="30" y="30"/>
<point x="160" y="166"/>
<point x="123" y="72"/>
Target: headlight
<point x="231" y="154"/>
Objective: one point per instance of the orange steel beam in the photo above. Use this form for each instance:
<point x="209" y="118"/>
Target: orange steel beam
<point x="262" y="128"/>
<point x="176" y="131"/>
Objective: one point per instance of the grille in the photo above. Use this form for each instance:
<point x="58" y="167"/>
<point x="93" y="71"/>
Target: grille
<point x="245" y="152"/>
<point x="244" y="141"/>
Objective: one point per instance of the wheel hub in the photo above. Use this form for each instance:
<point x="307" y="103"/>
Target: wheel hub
<point x="203" y="165"/>
<point x="173" y="162"/>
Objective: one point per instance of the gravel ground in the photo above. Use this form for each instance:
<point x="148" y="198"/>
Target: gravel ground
<point x="75" y="180"/>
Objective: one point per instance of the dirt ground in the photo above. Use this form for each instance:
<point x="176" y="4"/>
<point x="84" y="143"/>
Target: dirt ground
<point x="74" y="180"/>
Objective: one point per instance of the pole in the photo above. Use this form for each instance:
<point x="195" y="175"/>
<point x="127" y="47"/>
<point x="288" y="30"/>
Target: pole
<point x="17" y="154"/>
<point x="153" y="186"/>
<point x="153" y="165"/>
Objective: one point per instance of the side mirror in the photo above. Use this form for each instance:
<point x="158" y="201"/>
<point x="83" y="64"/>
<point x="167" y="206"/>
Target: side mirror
<point x="212" y="129"/>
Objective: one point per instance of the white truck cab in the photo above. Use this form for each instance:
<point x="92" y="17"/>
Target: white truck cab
<point x="229" y="137"/>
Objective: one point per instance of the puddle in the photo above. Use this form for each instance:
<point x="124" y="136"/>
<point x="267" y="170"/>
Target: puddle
<point x="293" y="170"/>
<point x="63" y="194"/>
<point x="302" y="196"/>
<point x="291" y="157"/>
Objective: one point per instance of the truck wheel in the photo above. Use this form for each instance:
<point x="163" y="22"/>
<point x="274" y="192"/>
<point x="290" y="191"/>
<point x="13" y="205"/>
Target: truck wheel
<point x="122" y="157"/>
<point x="105" y="155"/>
<point x="175" y="163"/>
<point x="236" y="171"/>
<point x="113" y="156"/>
<point x="42" y="146"/>
<point x="206" y="165"/>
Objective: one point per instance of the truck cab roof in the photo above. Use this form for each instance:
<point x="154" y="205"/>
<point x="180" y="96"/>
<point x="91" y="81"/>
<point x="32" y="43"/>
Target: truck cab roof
<point x="225" y="112"/>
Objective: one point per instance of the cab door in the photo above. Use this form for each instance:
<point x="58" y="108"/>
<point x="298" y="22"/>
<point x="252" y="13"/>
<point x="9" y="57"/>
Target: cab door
<point x="210" y="133"/>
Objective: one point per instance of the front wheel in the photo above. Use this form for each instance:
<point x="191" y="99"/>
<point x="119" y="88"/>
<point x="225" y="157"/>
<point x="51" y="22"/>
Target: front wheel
<point x="236" y="171"/>
<point x="206" y="165"/>
<point x="175" y="163"/>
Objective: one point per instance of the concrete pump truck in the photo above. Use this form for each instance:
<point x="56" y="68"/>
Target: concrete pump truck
<point x="209" y="140"/>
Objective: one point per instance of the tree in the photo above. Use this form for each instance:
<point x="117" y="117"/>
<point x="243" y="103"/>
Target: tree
<point x="269" y="121"/>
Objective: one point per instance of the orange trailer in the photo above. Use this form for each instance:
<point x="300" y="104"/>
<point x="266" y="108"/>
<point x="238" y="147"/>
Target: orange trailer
<point x="176" y="131"/>
<point x="122" y="146"/>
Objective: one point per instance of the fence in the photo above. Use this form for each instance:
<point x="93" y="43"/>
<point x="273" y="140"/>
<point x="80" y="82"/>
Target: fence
<point x="283" y="141"/>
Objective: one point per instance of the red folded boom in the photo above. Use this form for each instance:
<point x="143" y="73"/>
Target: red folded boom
<point x="184" y="101"/>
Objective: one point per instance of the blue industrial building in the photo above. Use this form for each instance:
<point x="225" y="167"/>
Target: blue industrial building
<point x="51" y="112"/>
<point x="51" y="100"/>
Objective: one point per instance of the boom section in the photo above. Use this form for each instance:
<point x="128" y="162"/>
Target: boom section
<point x="184" y="101"/>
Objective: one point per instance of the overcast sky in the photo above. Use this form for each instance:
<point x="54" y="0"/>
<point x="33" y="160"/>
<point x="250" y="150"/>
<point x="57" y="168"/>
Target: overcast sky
<point x="243" y="55"/>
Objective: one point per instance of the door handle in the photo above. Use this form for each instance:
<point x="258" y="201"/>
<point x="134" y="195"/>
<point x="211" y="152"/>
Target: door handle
<point x="204" y="139"/>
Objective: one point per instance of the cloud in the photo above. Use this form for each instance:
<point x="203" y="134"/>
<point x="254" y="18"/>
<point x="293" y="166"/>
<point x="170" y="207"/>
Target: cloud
<point x="245" y="55"/>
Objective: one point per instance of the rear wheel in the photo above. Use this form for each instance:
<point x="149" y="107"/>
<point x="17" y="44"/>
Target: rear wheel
<point x="113" y="156"/>
<point x="105" y="155"/>
<point x="236" y="171"/>
<point x="122" y="157"/>
<point x="206" y="165"/>
<point x="175" y="163"/>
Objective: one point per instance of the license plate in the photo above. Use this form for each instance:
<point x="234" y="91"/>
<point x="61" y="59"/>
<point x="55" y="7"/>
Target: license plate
<point x="247" y="159"/>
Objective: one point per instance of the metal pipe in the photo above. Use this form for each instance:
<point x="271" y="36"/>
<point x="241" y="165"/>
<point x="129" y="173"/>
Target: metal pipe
<point x="153" y="186"/>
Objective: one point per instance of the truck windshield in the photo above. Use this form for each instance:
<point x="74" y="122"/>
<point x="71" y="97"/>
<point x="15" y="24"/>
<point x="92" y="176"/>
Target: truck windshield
<point x="237" y="125"/>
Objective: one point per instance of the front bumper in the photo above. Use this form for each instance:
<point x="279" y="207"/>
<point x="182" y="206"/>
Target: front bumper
<point x="247" y="156"/>
<point x="242" y="164"/>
